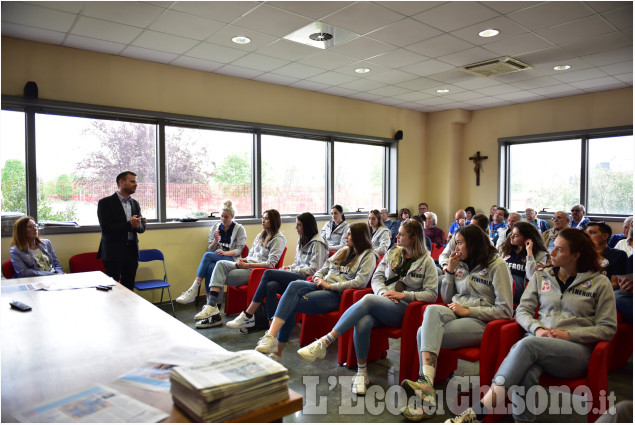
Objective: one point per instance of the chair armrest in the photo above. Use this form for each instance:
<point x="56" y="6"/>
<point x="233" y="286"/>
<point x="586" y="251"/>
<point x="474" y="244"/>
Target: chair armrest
<point x="254" y="280"/>
<point x="510" y="334"/>
<point x="358" y="294"/>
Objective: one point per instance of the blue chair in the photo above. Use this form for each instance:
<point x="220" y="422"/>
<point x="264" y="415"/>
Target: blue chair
<point x="146" y="255"/>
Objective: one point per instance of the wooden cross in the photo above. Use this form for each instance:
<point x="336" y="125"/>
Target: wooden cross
<point x="477" y="159"/>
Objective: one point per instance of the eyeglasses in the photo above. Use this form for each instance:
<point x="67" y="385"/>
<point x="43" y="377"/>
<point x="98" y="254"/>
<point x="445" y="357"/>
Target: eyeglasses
<point x="556" y="218"/>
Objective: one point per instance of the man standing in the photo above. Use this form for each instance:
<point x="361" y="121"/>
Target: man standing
<point x="498" y="224"/>
<point x="393" y="225"/>
<point x="560" y="221"/>
<point x="532" y="218"/>
<point x="578" y="220"/>
<point x="613" y="261"/>
<point x="120" y="220"/>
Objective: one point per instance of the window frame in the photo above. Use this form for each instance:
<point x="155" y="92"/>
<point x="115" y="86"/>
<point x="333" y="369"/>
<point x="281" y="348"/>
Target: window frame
<point x="505" y="143"/>
<point x="32" y="107"/>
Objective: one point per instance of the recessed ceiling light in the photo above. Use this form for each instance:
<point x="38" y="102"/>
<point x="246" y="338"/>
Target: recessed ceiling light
<point x="489" y="32"/>
<point x="362" y="70"/>
<point x="241" y="40"/>
<point x="562" y="67"/>
<point x="443" y="91"/>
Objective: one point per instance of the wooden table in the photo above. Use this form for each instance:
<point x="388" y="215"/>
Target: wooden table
<point x="74" y="339"/>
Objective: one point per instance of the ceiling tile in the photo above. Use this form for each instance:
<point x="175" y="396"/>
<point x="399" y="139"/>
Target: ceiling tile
<point x="365" y="96"/>
<point x="225" y="35"/>
<point x="276" y="79"/>
<point x="79" y="42"/>
<point x="429" y="67"/>
<point x="104" y="30"/>
<point x="627" y="78"/>
<point x="374" y="68"/>
<point x="298" y="70"/>
<point x="476" y="83"/>
<point x="33" y="34"/>
<point x="195" y="63"/>
<point x="397" y="58"/>
<point x="64" y="6"/>
<point x="604" y="6"/>
<point x="164" y="42"/>
<point x="37" y="17"/>
<point x="618" y="68"/>
<point x="362" y="84"/>
<point x="598" y="44"/>
<point x="549" y="14"/>
<point x="186" y="25"/>
<point x="333" y="78"/>
<point x="237" y="71"/>
<point x="608" y="57"/>
<point x="497" y="90"/>
<point x="404" y="32"/>
<point x="327" y="60"/>
<point x="363" y="17"/>
<point x="223" y="11"/>
<point x="133" y="13"/>
<point x="466" y="95"/>
<point x="549" y="55"/>
<point x="576" y="30"/>
<point x="362" y="48"/>
<point x="455" y="14"/>
<point x="216" y="53"/>
<point x="553" y="90"/>
<point x="621" y="18"/>
<point x="576" y="64"/>
<point x="409" y="8"/>
<point x="518" y="45"/>
<point x="339" y="91"/>
<point x="507" y="28"/>
<point x="506" y="7"/>
<point x="585" y="74"/>
<point x="520" y="96"/>
<point x="259" y="62"/>
<point x="514" y="77"/>
<point x="440" y="46"/>
<point x="410" y="96"/>
<point x="148" y="54"/>
<point x="607" y="83"/>
<point x="388" y="91"/>
<point x="288" y="50"/>
<point x="269" y="20"/>
<point x="536" y="83"/>
<point x="308" y="85"/>
<point x="315" y="10"/>
<point x="392" y="77"/>
<point x="452" y="76"/>
<point x="468" y="56"/>
<point x="418" y="84"/>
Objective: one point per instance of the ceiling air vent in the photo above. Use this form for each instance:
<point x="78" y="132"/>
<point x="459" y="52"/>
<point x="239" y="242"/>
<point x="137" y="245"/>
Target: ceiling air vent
<point x="494" y="67"/>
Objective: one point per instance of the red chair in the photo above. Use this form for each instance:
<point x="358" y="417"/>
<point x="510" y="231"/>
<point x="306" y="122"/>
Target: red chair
<point x="622" y="349"/>
<point x="243" y="254"/>
<point x="7" y="269"/>
<point x="597" y="374"/>
<point x="237" y="296"/>
<point x="436" y="252"/>
<point x="86" y="262"/>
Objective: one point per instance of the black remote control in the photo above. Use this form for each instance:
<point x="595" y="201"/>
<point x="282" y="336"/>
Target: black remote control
<point x="17" y="305"/>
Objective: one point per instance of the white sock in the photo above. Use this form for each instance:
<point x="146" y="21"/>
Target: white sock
<point x="428" y="372"/>
<point x="195" y="285"/>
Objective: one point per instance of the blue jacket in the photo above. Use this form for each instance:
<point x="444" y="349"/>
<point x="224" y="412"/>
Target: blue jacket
<point x="24" y="263"/>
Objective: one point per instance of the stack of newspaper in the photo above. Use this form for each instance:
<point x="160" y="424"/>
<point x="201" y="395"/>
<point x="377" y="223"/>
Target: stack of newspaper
<point x="231" y="385"/>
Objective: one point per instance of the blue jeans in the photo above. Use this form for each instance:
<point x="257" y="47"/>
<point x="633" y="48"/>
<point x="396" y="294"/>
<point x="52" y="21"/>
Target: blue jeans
<point x="624" y="304"/>
<point x="208" y="262"/>
<point x="303" y="297"/>
<point x="274" y="282"/>
<point x="531" y="356"/>
<point x="370" y="312"/>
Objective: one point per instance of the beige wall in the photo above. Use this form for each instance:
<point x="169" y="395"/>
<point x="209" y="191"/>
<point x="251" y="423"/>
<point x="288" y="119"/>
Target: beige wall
<point x="433" y="164"/>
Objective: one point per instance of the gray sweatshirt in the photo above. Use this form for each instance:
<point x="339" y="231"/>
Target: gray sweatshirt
<point x="310" y="257"/>
<point x="381" y="240"/>
<point x="335" y="238"/>
<point x="237" y="242"/>
<point x="486" y="292"/>
<point x="343" y="277"/>
<point x="270" y="254"/>
<point x="421" y="281"/>
<point x="586" y="309"/>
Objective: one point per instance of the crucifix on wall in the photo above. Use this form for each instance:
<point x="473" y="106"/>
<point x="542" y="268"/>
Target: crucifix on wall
<point x="477" y="159"/>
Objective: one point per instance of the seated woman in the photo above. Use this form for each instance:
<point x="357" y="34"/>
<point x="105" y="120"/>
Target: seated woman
<point x="379" y="234"/>
<point x="469" y="213"/>
<point x="351" y="267"/>
<point x="335" y="229"/>
<point x="226" y="241"/>
<point x="406" y="274"/>
<point x="561" y="339"/>
<point x="30" y="255"/>
<point x="523" y="250"/>
<point x="478" y="289"/>
<point x="404" y="214"/>
<point x="311" y="253"/>
<point x="265" y="252"/>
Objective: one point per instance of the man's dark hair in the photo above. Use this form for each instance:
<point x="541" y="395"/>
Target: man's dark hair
<point x="505" y="212"/>
<point x="124" y="176"/>
<point x="604" y="228"/>
<point x="423" y="203"/>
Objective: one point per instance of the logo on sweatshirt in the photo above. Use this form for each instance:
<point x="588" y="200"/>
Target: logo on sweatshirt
<point x="546" y="286"/>
<point x="585" y="285"/>
<point x="483" y="273"/>
<point x="459" y="274"/>
<point x="604" y="263"/>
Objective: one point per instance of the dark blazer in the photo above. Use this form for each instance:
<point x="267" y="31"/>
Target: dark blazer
<point x="115" y="227"/>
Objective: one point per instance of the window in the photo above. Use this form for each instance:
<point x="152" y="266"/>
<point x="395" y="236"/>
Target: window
<point x="555" y="172"/>
<point x="78" y="160"/>
<point x="294" y="174"/>
<point x="186" y="165"/>
<point x="206" y="167"/>
<point x="12" y="143"/>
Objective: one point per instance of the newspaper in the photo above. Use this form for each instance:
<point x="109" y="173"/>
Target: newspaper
<point x="96" y="404"/>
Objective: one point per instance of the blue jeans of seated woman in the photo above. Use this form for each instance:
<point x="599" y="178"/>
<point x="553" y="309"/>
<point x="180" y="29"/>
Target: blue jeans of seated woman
<point x="274" y="282"/>
<point x="531" y="356"/>
<point x="208" y="262"/>
<point x="303" y="297"/>
<point x="369" y="312"/>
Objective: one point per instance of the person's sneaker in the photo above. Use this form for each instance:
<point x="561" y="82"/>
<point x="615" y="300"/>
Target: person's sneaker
<point x="267" y="344"/>
<point x="242" y="321"/>
<point x="465" y="417"/>
<point x="187" y="297"/>
<point x="423" y="404"/>
<point x="275" y="357"/>
<point x="210" y="322"/>
<point x="360" y="382"/>
<point x="315" y="350"/>
<point x="207" y="311"/>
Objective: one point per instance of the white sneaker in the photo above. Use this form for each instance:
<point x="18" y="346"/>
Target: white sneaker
<point x="207" y="311"/>
<point x="360" y="382"/>
<point x="315" y="350"/>
<point x="242" y="321"/>
<point x="267" y="344"/>
<point x="188" y="296"/>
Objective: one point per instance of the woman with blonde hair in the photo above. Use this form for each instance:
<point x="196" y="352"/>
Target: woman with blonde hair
<point x="31" y="255"/>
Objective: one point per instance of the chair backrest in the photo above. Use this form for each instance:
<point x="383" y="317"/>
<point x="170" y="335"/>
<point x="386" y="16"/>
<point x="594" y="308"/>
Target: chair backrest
<point x="146" y="255"/>
<point x="245" y="252"/>
<point x="86" y="262"/>
<point x="281" y="259"/>
<point x="7" y="269"/>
